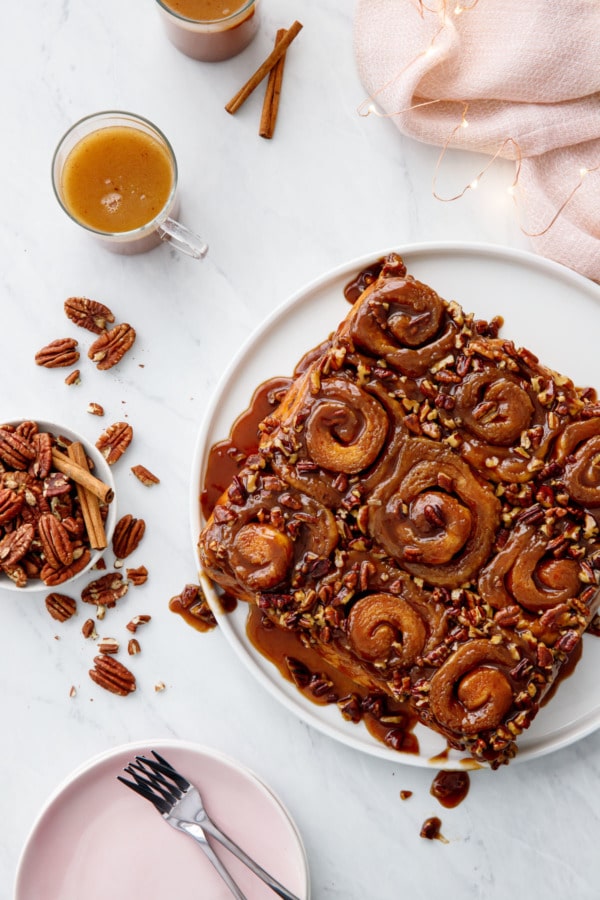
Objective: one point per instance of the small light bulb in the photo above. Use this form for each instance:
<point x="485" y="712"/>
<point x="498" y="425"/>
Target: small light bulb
<point x="474" y="184"/>
<point x="464" y="123"/>
<point x="458" y="9"/>
<point x="583" y="172"/>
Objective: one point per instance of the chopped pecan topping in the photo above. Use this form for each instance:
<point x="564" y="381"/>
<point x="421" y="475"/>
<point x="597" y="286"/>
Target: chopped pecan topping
<point x="127" y="535"/>
<point x="60" y="606"/>
<point x="58" y="354"/>
<point x="112" y="675"/>
<point x="114" y="441"/>
<point x="110" y="348"/>
<point x="88" y="313"/>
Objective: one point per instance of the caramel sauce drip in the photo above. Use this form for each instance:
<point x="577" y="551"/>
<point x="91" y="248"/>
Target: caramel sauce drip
<point x="393" y="724"/>
<point x="227" y="457"/>
<point x="450" y="788"/>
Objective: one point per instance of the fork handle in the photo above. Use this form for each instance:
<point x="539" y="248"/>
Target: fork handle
<point x="210" y="828"/>
<point x="196" y="832"/>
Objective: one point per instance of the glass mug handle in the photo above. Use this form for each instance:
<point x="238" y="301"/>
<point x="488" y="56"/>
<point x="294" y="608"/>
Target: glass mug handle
<point x="182" y="238"/>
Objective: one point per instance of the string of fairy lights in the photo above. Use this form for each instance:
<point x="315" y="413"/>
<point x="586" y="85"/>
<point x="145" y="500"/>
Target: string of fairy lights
<point x="443" y="12"/>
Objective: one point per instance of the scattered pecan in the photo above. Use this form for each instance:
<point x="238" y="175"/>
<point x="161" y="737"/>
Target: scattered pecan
<point x="88" y="629"/>
<point x="88" y="313"/>
<point x="73" y="377"/>
<point x="108" y="645"/>
<point x="106" y="590"/>
<point x="114" y="441"/>
<point x="127" y="535"/>
<point x="95" y="409"/>
<point x="134" y="624"/>
<point x="137" y="576"/>
<point x="112" y="675"/>
<point x="133" y="647"/>
<point x="145" y="476"/>
<point x="111" y="346"/>
<point x="60" y="606"/>
<point x="58" y="354"/>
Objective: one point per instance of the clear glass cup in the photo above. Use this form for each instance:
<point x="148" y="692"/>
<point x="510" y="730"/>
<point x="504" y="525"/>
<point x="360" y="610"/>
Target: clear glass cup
<point x="211" y="40"/>
<point x="162" y="226"/>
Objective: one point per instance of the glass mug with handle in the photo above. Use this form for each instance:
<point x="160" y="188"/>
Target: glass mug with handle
<point x="115" y="174"/>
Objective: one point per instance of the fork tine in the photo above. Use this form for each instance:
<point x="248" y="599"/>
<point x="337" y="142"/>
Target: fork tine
<point x="154" y="774"/>
<point x="144" y="791"/>
<point x="155" y="782"/>
<point x="167" y="769"/>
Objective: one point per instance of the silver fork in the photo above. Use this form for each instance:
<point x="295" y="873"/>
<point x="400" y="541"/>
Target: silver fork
<point x="180" y="804"/>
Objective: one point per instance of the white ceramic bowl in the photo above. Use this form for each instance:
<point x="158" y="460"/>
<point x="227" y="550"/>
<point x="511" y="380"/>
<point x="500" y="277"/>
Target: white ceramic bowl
<point x="102" y="471"/>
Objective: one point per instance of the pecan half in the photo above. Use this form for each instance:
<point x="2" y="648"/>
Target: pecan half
<point x="145" y="476"/>
<point x="88" y="313"/>
<point x="127" y="535"/>
<point x="42" y="443"/>
<point x="60" y="606"/>
<point x="53" y="577"/>
<point x="58" y="354"/>
<point x="10" y="504"/>
<point x="111" y="346"/>
<point x="15" y="449"/>
<point x="114" y="441"/>
<point x="15" y="545"/>
<point x="112" y="675"/>
<point x="106" y="590"/>
<point x="55" y="541"/>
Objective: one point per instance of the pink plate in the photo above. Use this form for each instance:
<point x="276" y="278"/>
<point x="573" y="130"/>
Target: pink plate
<point x="95" y="839"/>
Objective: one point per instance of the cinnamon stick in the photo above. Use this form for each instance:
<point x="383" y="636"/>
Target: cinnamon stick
<point x="272" y="93"/>
<point x="90" y="506"/>
<point x="82" y="475"/>
<point x="264" y="69"/>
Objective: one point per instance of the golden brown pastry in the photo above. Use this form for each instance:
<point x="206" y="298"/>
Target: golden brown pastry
<point x="423" y="510"/>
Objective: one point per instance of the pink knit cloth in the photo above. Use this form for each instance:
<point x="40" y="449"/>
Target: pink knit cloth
<point x="526" y="70"/>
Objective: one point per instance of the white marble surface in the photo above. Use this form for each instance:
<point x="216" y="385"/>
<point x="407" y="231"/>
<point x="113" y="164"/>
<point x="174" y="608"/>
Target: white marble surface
<point x="330" y="186"/>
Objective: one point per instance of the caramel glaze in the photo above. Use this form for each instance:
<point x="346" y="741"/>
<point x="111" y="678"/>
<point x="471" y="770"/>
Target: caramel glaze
<point x="450" y="788"/>
<point x="390" y="722"/>
<point x="227" y="457"/>
<point x="483" y="441"/>
<point x="198" y="615"/>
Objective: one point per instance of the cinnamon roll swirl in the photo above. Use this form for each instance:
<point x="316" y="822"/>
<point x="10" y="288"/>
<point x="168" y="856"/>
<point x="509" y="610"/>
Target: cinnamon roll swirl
<point x="434" y="515"/>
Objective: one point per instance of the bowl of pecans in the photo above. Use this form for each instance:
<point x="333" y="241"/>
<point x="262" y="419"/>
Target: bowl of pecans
<point x="57" y="505"/>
